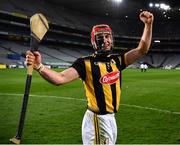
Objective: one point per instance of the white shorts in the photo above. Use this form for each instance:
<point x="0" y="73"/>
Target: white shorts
<point x="99" y="129"/>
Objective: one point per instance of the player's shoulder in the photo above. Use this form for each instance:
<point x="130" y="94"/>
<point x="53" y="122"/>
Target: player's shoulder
<point x="87" y="57"/>
<point x="115" y="55"/>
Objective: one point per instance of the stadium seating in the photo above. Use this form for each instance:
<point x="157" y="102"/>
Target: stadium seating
<point x="71" y="31"/>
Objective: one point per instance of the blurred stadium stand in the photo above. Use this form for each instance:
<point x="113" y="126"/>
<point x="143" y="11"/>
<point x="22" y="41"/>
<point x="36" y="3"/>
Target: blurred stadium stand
<point x="69" y="35"/>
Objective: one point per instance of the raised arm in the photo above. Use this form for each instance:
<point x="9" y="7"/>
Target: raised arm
<point x="56" y="78"/>
<point x="131" y="56"/>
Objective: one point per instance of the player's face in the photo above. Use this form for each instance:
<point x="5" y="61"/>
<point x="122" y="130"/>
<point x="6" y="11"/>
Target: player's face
<point x="107" y="40"/>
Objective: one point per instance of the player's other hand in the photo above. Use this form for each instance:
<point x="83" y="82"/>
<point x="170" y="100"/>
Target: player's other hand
<point x="146" y="17"/>
<point x="33" y="58"/>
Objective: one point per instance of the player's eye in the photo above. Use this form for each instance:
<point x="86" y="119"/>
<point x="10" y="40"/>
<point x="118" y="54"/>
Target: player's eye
<point x="107" y="36"/>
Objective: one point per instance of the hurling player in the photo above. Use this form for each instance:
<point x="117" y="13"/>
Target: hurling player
<point x="101" y="76"/>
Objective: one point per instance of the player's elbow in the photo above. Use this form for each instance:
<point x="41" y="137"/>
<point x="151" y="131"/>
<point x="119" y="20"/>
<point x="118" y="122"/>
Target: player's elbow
<point x="60" y="80"/>
<point x="58" y="83"/>
<point x="144" y="50"/>
<point x="143" y="47"/>
<point x="55" y="82"/>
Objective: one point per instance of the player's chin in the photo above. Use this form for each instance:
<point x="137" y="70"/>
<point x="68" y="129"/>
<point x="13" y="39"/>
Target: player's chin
<point x="107" y="47"/>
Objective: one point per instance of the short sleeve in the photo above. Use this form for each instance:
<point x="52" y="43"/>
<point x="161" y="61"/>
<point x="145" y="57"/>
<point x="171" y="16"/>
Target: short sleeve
<point x="120" y="60"/>
<point x="123" y="64"/>
<point x="79" y="65"/>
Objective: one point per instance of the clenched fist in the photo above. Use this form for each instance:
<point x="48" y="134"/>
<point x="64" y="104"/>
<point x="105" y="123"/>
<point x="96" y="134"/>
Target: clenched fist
<point x="146" y="17"/>
<point x="33" y="59"/>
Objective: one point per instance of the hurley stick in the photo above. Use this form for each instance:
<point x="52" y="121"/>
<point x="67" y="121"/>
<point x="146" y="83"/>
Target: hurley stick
<point x="39" y="26"/>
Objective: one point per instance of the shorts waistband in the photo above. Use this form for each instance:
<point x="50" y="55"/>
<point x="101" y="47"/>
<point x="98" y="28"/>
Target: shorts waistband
<point x="89" y="110"/>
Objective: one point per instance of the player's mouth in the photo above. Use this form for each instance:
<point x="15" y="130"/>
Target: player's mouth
<point x="106" y="46"/>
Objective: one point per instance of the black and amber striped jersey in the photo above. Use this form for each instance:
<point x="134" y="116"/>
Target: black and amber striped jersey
<point x="102" y="81"/>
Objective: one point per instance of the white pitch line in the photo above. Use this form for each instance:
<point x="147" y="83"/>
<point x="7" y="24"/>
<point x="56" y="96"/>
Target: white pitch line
<point x="44" y="96"/>
<point x="154" y="109"/>
<point x="69" y="98"/>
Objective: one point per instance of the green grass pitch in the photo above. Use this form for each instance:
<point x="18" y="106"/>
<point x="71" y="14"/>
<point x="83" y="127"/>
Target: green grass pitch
<point x="149" y="111"/>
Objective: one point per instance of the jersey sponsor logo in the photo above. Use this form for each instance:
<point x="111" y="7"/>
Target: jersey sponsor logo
<point x="110" y="78"/>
